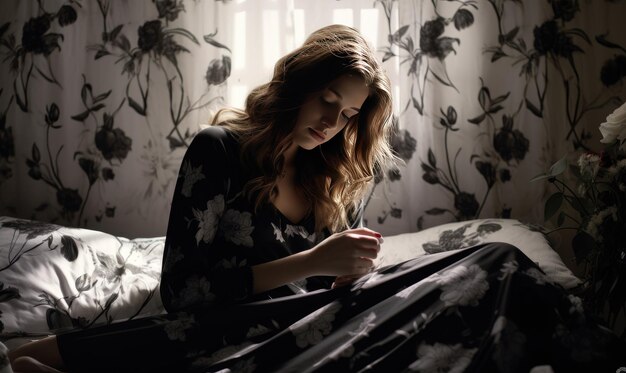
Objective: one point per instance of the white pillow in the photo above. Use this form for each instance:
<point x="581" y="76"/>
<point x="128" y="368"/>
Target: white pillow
<point x="451" y="236"/>
<point x="55" y="277"/>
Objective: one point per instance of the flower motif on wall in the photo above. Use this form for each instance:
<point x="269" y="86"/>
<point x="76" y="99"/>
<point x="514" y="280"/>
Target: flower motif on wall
<point x="36" y="40"/>
<point x="427" y="59"/>
<point x="218" y="71"/>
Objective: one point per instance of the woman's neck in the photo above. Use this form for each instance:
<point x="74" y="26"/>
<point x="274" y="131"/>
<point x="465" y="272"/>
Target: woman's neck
<point x="290" y="157"/>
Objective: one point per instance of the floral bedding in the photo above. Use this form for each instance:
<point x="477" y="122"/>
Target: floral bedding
<point x="55" y="278"/>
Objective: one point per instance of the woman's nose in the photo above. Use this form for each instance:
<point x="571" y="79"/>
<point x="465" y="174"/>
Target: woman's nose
<point x="331" y="119"/>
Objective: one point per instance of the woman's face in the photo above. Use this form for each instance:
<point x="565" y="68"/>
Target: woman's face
<point x="325" y="113"/>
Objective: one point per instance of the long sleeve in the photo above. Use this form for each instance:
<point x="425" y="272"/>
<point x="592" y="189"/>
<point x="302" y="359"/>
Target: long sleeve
<point x="197" y="270"/>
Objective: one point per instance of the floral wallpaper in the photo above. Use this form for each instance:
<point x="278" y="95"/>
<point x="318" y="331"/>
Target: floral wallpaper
<point x="99" y="100"/>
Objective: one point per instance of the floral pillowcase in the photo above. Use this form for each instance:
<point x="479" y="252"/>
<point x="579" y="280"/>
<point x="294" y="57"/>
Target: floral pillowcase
<point x="529" y="239"/>
<point x="54" y="278"/>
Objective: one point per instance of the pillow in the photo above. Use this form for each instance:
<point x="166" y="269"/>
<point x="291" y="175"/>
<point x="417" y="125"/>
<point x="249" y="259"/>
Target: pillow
<point x="53" y="277"/>
<point x="529" y="239"/>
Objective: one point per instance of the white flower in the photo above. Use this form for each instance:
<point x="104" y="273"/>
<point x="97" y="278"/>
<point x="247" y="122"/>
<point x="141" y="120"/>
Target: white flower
<point x="196" y="291"/>
<point x="589" y="165"/>
<point x="614" y="128"/>
<point x="498" y="327"/>
<point x="508" y="269"/>
<point x="237" y="227"/>
<point x="406" y="292"/>
<point x="596" y="220"/>
<point x="311" y="329"/>
<point x="278" y="233"/>
<point x="209" y="219"/>
<point x="255" y="331"/>
<point x="461" y="285"/>
<point x="364" y="328"/>
<point x="577" y="304"/>
<point x="175" y="329"/>
<point x="191" y="175"/>
<point x="298" y="230"/>
<point x="442" y="358"/>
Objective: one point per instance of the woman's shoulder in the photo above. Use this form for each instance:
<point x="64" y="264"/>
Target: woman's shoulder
<point x="214" y="133"/>
<point x="215" y="137"/>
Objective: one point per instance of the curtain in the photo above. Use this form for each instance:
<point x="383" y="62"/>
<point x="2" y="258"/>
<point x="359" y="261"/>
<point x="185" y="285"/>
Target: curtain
<point x="99" y="99"/>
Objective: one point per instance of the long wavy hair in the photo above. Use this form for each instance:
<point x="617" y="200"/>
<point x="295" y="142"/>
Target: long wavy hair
<point x="335" y="177"/>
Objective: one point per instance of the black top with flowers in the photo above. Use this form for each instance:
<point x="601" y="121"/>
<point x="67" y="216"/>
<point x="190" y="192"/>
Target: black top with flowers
<point x="214" y="235"/>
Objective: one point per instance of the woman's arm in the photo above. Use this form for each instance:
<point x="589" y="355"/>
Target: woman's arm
<point x="351" y="252"/>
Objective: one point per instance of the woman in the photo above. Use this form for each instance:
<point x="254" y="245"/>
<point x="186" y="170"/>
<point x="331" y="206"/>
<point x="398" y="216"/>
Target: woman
<point x="267" y="205"/>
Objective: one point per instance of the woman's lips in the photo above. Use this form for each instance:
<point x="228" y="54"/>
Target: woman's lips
<point x="317" y="134"/>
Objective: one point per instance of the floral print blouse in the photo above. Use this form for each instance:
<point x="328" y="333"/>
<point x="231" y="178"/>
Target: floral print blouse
<point x="214" y="236"/>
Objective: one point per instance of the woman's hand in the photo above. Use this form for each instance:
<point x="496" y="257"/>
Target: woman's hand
<point x="348" y="253"/>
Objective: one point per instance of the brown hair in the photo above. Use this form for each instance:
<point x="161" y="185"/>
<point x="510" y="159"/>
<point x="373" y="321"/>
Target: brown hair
<point x="335" y="177"/>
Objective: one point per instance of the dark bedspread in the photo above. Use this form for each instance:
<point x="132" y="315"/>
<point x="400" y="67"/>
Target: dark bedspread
<point x="486" y="308"/>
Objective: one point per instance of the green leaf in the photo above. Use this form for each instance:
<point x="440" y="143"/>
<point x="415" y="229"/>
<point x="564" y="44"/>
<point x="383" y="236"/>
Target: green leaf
<point x="110" y="300"/>
<point x="101" y="53"/>
<point x="215" y="43"/>
<point x="499" y="99"/>
<point x="35" y="153"/>
<point x="82" y="116"/>
<point x="388" y="55"/>
<point x="417" y="105"/>
<point x="102" y="96"/>
<point x="533" y="109"/>
<point x="540" y="177"/>
<point x="435" y="211"/>
<point x="431" y="158"/>
<point x="115" y="31"/>
<point x="183" y="32"/>
<point x="558" y="167"/>
<point x="511" y="34"/>
<point x="553" y="204"/>
<point x="397" y="36"/>
<point x="477" y="120"/>
<point x="132" y="103"/>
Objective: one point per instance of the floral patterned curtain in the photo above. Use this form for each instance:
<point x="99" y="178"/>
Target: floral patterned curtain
<point x="99" y="99"/>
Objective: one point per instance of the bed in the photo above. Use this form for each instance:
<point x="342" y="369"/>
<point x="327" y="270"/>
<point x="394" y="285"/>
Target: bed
<point x="55" y="278"/>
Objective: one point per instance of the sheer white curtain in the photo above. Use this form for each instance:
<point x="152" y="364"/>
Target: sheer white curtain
<point x="487" y="94"/>
<point x="260" y="32"/>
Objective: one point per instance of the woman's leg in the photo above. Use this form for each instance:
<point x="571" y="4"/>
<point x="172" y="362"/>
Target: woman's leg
<point x="37" y="355"/>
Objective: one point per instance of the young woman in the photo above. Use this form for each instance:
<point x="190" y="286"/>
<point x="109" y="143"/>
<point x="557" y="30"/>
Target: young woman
<point x="267" y="205"/>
